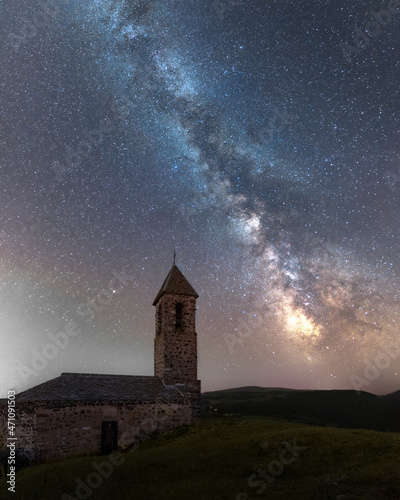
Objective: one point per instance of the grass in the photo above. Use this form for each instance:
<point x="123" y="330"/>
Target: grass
<point x="214" y="461"/>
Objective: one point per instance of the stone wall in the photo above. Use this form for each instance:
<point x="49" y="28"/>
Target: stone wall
<point x="25" y="421"/>
<point x="54" y="430"/>
<point x="175" y="351"/>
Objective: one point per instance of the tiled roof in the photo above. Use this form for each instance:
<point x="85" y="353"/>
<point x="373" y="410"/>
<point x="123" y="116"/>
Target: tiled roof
<point x="92" y="387"/>
<point x="176" y="283"/>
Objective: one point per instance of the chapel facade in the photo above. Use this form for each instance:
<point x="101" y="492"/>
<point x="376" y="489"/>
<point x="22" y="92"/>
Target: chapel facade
<point x="81" y="413"/>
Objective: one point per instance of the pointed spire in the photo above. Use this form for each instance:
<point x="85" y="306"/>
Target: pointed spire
<point x="176" y="283"/>
<point x="174" y="255"/>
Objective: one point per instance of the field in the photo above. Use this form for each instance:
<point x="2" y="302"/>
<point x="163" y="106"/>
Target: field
<point x="229" y="458"/>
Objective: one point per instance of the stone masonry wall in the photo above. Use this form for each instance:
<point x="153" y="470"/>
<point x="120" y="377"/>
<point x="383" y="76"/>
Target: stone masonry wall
<point x="25" y="421"/>
<point x="63" y="429"/>
<point x="175" y="352"/>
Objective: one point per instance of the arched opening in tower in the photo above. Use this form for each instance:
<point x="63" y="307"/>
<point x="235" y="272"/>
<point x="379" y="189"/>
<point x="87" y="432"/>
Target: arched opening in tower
<point x="178" y="317"/>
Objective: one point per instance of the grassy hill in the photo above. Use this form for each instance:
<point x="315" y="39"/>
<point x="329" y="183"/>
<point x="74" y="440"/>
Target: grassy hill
<point x="225" y="459"/>
<point x="334" y="408"/>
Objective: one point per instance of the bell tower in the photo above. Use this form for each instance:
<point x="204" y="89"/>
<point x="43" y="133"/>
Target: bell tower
<point x="175" y="343"/>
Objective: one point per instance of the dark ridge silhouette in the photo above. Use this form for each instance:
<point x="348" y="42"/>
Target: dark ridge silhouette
<point x="336" y="408"/>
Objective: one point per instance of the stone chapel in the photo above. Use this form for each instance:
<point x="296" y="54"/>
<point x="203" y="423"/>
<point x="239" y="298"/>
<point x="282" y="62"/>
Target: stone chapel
<point x="82" y="413"/>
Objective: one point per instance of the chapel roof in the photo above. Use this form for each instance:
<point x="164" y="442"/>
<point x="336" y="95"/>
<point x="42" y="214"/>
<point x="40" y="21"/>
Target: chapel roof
<point x="94" y="387"/>
<point x="175" y="283"/>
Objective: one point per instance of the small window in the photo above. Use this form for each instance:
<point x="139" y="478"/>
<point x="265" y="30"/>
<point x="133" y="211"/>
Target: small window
<point x="178" y="317"/>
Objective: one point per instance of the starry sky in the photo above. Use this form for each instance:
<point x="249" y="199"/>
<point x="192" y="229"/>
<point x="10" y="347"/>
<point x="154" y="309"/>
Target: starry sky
<point x="259" y="138"/>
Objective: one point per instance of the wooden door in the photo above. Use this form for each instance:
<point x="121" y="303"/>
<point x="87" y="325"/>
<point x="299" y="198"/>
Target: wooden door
<point x="109" y="437"/>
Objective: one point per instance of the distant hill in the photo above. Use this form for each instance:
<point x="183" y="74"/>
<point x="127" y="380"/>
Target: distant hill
<point x="327" y="408"/>
<point x="252" y="388"/>
<point x="393" y="396"/>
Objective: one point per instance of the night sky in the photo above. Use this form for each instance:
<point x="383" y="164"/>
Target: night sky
<point x="254" y="137"/>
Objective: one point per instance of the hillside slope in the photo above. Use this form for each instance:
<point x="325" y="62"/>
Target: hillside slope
<point x="229" y="459"/>
<point x="336" y="408"/>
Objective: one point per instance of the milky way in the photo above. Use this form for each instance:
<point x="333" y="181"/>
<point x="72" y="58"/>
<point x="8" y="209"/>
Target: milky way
<point x="259" y="139"/>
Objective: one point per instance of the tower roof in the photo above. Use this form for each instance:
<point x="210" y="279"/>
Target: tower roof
<point x="175" y="283"/>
